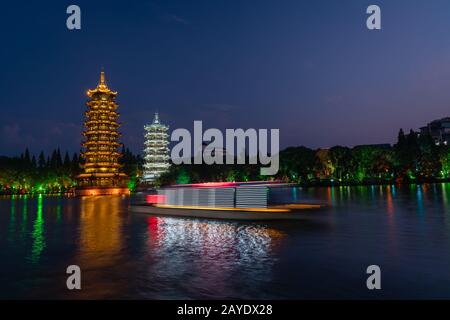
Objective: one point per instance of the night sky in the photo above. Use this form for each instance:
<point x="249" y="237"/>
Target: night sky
<point x="310" y="68"/>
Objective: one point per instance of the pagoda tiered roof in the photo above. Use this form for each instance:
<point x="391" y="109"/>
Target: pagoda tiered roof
<point x="102" y="87"/>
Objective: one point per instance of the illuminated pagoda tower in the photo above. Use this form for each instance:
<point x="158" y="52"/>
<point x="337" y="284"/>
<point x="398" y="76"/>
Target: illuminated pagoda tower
<point x="156" y="152"/>
<point x="101" y="169"/>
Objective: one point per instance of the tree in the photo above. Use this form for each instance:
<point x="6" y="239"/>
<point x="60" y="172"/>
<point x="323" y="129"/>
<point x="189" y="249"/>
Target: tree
<point x="428" y="161"/>
<point x="298" y="164"/>
<point x="41" y="161"/>
<point x="342" y="162"/>
<point x="67" y="160"/>
<point x="406" y="151"/>
<point x="27" y="159"/>
<point x="33" y="162"/>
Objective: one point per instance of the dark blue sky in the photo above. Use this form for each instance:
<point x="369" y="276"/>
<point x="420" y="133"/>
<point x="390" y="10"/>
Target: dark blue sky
<point x="310" y="68"/>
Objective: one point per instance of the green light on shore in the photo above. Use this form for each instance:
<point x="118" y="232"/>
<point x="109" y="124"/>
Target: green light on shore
<point x="132" y="184"/>
<point x="40" y="188"/>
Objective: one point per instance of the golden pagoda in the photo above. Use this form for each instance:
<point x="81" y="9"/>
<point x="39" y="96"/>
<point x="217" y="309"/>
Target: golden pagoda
<point x="101" y="156"/>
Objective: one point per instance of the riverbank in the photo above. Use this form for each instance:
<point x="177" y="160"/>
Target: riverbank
<point x="310" y="184"/>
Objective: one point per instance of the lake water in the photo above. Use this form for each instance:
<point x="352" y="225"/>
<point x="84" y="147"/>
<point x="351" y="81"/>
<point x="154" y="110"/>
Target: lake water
<point x="405" y="230"/>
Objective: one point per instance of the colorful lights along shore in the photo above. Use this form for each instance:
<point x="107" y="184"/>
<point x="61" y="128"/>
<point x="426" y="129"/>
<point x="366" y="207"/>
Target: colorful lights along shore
<point x="101" y="169"/>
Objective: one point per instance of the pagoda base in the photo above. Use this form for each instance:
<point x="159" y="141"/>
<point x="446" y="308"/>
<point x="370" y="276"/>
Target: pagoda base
<point x="101" y="191"/>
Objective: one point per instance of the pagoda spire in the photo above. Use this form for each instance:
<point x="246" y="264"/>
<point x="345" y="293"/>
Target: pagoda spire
<point x="156" y="119"/>
<point x="101" y="87"/>
<point x="102" y="84"/>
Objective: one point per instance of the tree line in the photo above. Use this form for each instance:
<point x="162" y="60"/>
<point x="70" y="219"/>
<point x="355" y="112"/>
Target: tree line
<point x="414" y="158"/>
<point x="52" y="173"/>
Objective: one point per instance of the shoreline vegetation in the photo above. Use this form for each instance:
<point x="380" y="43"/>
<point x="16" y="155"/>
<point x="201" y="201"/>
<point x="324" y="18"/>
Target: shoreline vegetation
<point x="52" y="174"/>
<point x="413" y="159"/>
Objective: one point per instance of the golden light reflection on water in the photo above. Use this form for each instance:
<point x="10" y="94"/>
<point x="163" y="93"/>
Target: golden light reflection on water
<point x="389" y="201"/>
<point x="100" y="246"/>
<point x="100" y="226"/>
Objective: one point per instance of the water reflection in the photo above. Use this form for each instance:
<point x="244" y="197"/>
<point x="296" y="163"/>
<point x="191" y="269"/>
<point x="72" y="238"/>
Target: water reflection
<point x="445" y="188"/>
<point x="100" y="229"/>
<point x="12" y="219"/>
<point x="330" y="195"/>
<point x="38" y="233"/>
<point x="419" y="196"/>
<point x="23" y="228"/>
<point x="100" y="247"/>
<point x="58" y="210"/>
<point x="385" y="198"/>
<point x="124" y="255"/>
<point x="207" y="254"/>
<point x="389" y="202"/>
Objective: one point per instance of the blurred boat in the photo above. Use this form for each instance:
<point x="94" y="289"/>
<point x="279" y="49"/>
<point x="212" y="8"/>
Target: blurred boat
<point x="227" y="200"/>
<point x="283" y="212"/>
